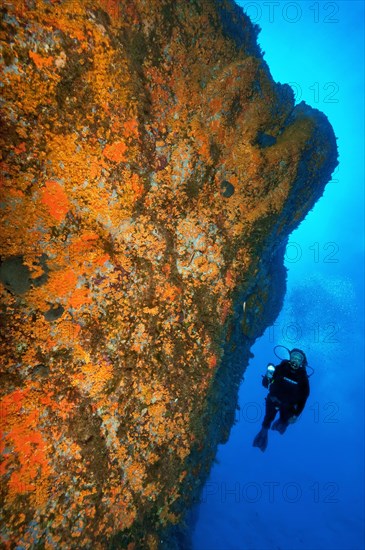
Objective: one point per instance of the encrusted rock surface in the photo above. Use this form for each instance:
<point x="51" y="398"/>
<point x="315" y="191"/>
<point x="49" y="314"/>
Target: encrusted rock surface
<point x="151" y="172"/>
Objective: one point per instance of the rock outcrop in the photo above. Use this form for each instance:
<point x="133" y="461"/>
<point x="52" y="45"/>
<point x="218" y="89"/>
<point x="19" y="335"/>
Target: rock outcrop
<point x="151" y="173"/>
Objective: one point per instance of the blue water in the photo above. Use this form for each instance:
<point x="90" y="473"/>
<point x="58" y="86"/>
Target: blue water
<point x="307" y="490"/>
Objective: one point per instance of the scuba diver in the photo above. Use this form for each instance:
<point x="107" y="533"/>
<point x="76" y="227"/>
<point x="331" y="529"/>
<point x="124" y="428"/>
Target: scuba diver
<point x="288" y="392"/>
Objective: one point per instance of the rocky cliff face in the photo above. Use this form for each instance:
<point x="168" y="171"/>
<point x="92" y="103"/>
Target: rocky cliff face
<point x="151" y="173"/>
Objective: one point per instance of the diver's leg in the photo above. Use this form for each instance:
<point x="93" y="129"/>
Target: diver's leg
<point x="270" y="412"/>
<point x="261" y="438"/>
<point x="286" y="412"/>
<point x="282" y="423"/>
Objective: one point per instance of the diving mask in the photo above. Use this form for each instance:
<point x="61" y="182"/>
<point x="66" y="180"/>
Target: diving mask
<point x="297" y="359"/>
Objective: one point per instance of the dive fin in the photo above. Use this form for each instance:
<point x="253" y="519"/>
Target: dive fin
<point x="260" y="440"/>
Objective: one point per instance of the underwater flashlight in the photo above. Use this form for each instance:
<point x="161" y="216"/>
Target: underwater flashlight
<point x="270" y="370"/>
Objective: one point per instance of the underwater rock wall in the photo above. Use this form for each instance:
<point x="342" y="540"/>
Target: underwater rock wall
<point x="151" y="172"/>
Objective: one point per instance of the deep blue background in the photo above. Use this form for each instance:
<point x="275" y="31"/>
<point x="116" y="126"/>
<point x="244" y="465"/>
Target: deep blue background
<point x="307" y="490"/>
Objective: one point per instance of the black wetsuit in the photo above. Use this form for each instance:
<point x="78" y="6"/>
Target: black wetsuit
<point x="288" y="393"/>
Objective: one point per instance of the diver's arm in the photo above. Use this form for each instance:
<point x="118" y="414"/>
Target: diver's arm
<point x="279" y="371"/>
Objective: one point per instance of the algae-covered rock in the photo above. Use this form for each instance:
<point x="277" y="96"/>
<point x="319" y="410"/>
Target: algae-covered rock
<point x="151" y="173"/>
